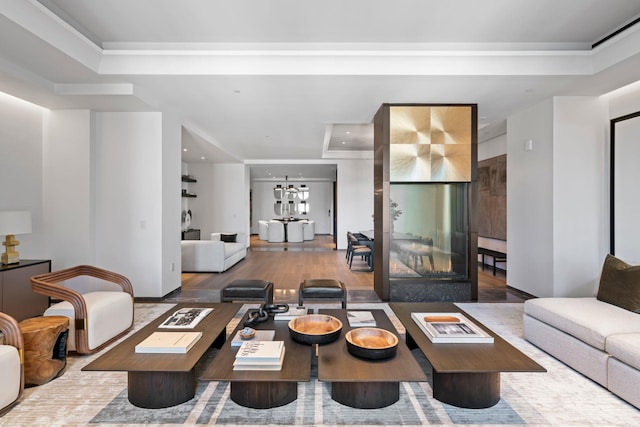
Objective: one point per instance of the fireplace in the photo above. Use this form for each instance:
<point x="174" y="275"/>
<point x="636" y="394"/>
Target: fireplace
<point x="425" y="177"/>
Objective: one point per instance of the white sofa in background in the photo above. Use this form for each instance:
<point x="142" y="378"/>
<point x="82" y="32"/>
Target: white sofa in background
<point x="598" y="339"/>
<point x="213" y="255"/>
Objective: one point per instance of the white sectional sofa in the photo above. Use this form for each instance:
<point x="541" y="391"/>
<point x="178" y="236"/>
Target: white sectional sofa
<point x="596" y="338"/>
<point x="213" y="255"/>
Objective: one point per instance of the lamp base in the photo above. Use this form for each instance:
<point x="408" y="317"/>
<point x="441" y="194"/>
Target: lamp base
<point x="11" y="256"/>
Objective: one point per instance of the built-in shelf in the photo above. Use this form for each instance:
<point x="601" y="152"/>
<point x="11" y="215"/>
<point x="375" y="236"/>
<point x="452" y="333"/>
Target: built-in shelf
<point x="187" y="178"/>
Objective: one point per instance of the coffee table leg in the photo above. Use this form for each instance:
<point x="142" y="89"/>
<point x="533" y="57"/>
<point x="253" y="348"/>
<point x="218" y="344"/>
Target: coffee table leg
<point x="263" y="394"/>
<point x="365" y="395"/>
<point x="467" y="390"/>
<point x="161" y="389"/>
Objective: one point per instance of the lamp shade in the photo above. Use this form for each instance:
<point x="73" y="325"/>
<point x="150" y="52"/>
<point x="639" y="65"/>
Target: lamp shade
<point x="15" y="222"/>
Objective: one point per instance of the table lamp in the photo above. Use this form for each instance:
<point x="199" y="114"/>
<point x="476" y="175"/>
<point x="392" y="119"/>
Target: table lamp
<point x="12" y="223"/>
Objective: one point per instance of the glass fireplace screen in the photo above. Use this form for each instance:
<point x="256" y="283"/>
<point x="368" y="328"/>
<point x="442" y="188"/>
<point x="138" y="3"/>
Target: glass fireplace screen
<point x="429" y="227"/>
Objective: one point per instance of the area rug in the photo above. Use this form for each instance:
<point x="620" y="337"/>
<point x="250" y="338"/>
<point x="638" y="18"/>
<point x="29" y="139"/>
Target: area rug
<point x="559" y="397"/>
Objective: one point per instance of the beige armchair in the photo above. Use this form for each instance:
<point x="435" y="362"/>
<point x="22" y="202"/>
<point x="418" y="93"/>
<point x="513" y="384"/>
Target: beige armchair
<point x="11" y="362"/>
<point x="97" y="317"/>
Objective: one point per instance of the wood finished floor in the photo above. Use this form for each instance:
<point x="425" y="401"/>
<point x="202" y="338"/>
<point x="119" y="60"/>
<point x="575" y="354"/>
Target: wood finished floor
<point x="287" y="264"/>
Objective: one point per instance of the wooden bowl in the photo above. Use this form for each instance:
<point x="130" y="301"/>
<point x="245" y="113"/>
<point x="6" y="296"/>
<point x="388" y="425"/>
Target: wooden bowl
<point x="315" y="329"/>
<point x="371" y="343"/>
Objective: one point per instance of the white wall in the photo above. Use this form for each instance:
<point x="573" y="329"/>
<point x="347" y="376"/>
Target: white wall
<point x="529" y="200"/>
<point x="68" y="193"/>
<point x="355" y="198"/>
<point x="171" y="202"/>
<point x="129" y="198"/>
<point x="579" y="194"/>
<point x="556" y="197"/>
<point x="320" y="203"/>
<point x="222" y="204"/>
<point x="21" y="169"/>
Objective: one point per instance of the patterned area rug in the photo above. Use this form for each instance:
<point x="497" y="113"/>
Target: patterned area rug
<point x="559" y="397"/>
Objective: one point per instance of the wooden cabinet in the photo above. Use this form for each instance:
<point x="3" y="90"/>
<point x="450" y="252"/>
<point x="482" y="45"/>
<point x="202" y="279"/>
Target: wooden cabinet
<point x="16" y="297"/>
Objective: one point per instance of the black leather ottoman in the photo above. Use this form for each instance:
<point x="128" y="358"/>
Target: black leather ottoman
<point x="248" y="290"/>
<point x="321" y="289"/>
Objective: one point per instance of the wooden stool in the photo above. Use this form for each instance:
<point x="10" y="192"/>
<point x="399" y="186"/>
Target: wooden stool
<point x="248" y="290"/>
<point x="322" y="289"/>
<point x="45" y="348"/>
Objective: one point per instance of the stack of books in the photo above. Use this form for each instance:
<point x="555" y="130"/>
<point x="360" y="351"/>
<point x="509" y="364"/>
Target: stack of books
<point x="168" y="342"/>
<point x="259" y="356"/>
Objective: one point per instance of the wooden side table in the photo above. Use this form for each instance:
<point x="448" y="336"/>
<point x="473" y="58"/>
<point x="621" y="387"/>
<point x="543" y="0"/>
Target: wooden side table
<point x="45" y="348"/>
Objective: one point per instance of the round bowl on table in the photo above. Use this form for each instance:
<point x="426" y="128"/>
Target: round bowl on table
<point x="372" y="343"/>
<point x="315" y="329"/>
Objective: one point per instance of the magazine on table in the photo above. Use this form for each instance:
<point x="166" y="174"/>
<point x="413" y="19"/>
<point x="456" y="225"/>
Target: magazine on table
<point x="168" y="342"/>
<point x="360" y="318"/>
<point x="450" y="328"/>
<point x="292" y="313"/>
<point x="186" y="318"/>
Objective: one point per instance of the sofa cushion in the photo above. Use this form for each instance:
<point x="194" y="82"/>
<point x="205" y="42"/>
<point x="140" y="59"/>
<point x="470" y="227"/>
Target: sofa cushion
<point x="109" y="313"/>
<point x="577" y="317"/>
<point x="626" y="348"/>
<point x="620" y="284"/>
<point x="228" y="238"/>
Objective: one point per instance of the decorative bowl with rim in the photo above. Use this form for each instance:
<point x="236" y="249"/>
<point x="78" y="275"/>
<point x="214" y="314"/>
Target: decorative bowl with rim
<point x="372" y="343"/>
<point x="315" y="329"/>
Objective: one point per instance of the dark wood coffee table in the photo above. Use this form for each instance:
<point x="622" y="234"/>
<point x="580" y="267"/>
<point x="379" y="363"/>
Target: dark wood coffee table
<point x="363" y="383"/>
<point x="263" y="389"/>
<point x="464" y="375"/>
<point x="163" y="380"/>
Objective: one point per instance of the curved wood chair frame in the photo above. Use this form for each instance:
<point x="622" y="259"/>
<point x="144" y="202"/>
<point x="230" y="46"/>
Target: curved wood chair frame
<point x="13" y="336"/>
<point x="48" y="284"/>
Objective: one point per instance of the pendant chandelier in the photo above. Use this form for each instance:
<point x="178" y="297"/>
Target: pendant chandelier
<point x="291" y="200"/>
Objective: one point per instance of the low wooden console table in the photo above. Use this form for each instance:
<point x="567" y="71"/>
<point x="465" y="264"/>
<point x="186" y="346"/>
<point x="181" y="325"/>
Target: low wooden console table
<point x="264" y="389"/>
<point x="362" y="383"/>
<point x="464" y="375"/>
<point x="164" y="379"/>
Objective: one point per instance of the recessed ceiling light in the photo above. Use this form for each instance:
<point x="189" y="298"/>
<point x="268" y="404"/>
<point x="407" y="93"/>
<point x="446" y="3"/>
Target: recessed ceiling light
<point x="236" y="91"/>
<point x="184" y="149"/>
<point x="348" y="133"/>
<point x="203" y="158"/>
<point x="344" y="142"/>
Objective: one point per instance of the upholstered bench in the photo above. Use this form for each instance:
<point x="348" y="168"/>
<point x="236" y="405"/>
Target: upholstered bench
<point x="248" y="290"/>
<point x="45" y="348"/>
<point x="322" y="289"/>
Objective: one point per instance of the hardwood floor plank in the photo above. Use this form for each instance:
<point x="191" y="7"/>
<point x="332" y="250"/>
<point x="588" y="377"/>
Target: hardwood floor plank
<point x="286" y="265"/>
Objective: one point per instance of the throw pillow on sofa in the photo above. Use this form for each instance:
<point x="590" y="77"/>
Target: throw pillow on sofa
<point x="229" y="238"/>
<point x="620" y="284"/>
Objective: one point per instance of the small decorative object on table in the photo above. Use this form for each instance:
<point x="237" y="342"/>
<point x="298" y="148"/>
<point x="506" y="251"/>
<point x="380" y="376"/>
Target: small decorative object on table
<point x="247" y="333"/>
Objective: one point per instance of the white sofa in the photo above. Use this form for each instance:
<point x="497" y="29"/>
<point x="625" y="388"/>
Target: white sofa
<point x="213" y="255"/>
<point x="598" y="339"/>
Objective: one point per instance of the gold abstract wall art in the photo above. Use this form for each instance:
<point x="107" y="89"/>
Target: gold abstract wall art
<point x="430" y="144"/>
